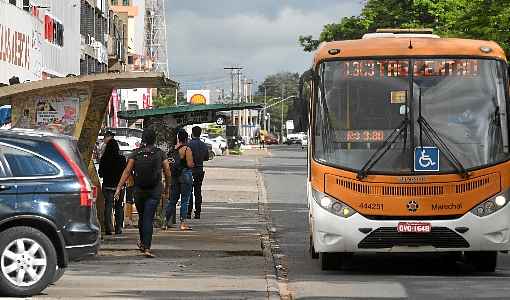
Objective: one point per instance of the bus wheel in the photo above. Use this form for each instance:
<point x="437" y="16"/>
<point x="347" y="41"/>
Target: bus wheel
<point x="483" y="261"/>
<point x="331" y="261"/>
<point x="313" y="254"/>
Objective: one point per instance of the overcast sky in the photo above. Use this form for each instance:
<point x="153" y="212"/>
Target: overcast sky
<point x="205" y="36"/>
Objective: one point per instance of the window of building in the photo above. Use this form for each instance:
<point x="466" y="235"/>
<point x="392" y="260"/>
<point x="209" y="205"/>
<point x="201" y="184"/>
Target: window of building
<point x="125" y="2"/>
<point x="13" y="2"/>
<point x="26" y="5"/>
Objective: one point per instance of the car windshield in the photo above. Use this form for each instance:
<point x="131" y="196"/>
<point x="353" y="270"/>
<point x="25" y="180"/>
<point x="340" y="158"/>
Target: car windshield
<point x="360" y="103"/>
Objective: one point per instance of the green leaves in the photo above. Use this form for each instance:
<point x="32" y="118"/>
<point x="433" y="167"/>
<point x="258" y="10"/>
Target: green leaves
<point x="476" y="19"/>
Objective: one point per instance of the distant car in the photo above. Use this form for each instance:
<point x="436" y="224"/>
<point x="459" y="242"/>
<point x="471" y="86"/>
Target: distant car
<point x="292" y="140"/>
<point x="270" y="140"/>
<point x="221" y="140"/>
<point x="126" y="143"/>
<point x="216" y="147"/>
<point x="47" y="210"/>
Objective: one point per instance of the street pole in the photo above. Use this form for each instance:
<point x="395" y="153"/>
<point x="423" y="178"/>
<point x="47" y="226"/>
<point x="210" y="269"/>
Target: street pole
<point x="281" y="125"/>
<point x="232" y="70"/>
<point x="265" y="104"/>
<point x="176" y="93"/>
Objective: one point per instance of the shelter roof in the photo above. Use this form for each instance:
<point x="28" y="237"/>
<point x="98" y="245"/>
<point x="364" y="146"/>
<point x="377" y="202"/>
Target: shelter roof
<point x="100" y="83"/>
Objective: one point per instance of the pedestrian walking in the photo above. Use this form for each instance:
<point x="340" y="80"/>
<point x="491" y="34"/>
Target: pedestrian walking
<point x="147" y="163"/>
<point x="111" y="166"/>
<point x="130" y="201"/>
<point x="262" y="140"/>
<point x="200" y="154"/>
<point x="182" y="180"/>
<point x="108" y="135"/>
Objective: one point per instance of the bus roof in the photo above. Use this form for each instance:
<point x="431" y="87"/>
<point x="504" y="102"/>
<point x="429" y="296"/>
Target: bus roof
<point x="408" y="47"/>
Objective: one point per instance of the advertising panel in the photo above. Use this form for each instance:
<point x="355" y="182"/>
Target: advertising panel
<point x="20" y="44"/>
<point x="199" y="96"/>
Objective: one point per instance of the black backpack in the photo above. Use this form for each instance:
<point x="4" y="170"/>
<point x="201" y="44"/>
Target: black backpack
<point x="177" y="162"/>
<point x="148" y="167"/>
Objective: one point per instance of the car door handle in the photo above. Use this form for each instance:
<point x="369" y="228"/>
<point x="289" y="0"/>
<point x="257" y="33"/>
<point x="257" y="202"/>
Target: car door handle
<point x="5" y="188"/>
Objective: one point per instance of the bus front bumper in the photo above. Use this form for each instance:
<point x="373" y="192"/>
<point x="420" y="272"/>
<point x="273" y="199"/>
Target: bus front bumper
<point x="332" y="233"/>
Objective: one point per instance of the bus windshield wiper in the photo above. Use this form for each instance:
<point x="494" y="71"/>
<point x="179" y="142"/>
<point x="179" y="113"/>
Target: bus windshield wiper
<point x="435" y="138"/>
<point x="379" y="153"/>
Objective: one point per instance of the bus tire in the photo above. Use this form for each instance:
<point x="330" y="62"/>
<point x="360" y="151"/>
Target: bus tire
<point x="313" y="254"/>
<point x="483" y="261"/>
<point x="331" y="261"/>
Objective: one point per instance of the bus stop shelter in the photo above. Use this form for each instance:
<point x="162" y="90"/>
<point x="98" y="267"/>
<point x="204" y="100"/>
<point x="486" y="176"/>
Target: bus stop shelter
<point x="74" y="106"/>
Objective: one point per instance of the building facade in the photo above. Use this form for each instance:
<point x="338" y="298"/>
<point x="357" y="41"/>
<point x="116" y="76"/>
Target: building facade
<point x="94" y="15"/>
<point x="39" y="39"/>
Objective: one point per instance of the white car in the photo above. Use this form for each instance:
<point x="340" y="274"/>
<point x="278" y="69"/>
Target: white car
<point x="216" y="147"/>
<point x="221" y="140"/>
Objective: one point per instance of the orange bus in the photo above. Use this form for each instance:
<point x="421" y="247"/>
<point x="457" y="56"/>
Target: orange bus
<point x="409" y="148"/>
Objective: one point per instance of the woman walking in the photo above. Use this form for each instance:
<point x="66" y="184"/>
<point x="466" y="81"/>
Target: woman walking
<point x="182" y="180"/>
<point x="111" y="166"/>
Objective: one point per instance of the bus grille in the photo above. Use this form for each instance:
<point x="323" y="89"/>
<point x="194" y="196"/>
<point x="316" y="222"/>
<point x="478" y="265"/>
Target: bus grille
<point x="418" y="190"/>
<point x="387" y="237"/>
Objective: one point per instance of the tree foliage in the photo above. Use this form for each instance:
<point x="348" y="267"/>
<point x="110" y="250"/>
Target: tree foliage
<point x="275" y="87"/>
<point x="166" y="97"/>
<point x="477" y="19"/>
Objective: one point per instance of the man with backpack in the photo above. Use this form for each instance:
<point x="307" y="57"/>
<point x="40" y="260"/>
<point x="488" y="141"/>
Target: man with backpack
<point x="200" y="154"/>
<point x="182" y="180"/>
<point x="147" y="163"/>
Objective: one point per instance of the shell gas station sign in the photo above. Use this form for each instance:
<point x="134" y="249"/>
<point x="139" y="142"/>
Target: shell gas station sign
<point x="198" y="97"/>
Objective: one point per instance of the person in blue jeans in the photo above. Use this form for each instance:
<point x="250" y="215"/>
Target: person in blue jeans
<point x="182" y="180"/>
<point x="147" y="163"/>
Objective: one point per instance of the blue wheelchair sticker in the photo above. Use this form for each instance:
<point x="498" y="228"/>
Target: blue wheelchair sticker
<point x="426" y="159"/>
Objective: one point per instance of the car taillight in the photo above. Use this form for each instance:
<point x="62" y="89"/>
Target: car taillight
<point x="88" y="192"/>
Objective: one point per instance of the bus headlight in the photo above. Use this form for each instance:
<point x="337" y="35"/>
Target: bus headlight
<point x="332" y="205"/>
<point x="491" y="205"/>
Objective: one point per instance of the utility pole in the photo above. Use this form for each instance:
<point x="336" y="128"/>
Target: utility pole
<point x="232" y="70"/>
<point x="281" y="127"/>
<point x="265" y="104"/>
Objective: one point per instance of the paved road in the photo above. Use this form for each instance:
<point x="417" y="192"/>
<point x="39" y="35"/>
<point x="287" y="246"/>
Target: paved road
<point x="373" y="276"/>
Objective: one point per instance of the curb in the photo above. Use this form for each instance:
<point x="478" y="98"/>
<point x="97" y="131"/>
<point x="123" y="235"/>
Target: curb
<point x="275" y="263"/>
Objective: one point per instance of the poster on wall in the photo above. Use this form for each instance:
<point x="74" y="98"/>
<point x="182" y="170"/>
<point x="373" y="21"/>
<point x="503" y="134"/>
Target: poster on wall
<point x="57" y="114"/>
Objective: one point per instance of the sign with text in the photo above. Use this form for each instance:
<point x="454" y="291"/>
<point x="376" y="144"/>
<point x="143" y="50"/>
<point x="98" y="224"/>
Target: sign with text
<point x="402" y="68"/>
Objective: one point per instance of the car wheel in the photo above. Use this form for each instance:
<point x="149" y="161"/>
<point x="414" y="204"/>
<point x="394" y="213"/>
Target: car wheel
<point x="59" y="272"/>
<point x="483" y="261"/>
<point x="28" y="261"/>
<point x="211" y="155"/>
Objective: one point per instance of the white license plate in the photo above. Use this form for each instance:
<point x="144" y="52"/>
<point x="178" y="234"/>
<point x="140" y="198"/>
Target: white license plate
<point x="419" y="227"/>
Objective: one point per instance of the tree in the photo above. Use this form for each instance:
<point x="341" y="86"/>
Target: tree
<point x="477" y="19"/>
<point x="279" y="86"/>
<point x="166" y="98"/>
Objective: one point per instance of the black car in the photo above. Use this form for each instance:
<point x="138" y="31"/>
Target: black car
<point x="47" y="210"/>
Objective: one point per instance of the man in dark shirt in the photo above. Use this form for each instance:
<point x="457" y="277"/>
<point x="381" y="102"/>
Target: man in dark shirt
<point x="200" y="154"/>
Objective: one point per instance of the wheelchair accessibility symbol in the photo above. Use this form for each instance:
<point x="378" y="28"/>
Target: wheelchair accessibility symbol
<point x="426" y="159"/>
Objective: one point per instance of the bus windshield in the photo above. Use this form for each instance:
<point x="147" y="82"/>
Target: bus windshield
<point x="361" y="102"/>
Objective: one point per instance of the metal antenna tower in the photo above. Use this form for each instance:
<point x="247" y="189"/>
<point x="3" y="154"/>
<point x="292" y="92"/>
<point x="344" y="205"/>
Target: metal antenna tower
<point x="155" y="35"/>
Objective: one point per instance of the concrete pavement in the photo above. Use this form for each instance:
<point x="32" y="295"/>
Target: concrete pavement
<point x="221" y="258"/>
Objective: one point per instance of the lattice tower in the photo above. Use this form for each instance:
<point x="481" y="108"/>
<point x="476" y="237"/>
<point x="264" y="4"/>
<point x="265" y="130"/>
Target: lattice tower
<point x="155" y="35"/>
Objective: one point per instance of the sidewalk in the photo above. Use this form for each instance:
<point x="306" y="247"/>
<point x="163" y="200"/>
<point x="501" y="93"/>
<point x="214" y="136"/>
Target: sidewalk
<point x="220" y="259"/>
